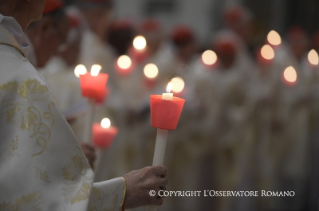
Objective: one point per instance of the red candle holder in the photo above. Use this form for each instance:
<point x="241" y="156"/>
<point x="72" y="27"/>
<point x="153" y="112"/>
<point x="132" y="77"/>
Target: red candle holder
<point x="103" y="137"/>
<point x="93" y="86"/>
<point x="103" y="98"/>
<point x="165" y="113"/>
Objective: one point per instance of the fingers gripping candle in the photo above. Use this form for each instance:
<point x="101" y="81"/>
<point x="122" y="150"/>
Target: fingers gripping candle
<point x="165" y="113"/>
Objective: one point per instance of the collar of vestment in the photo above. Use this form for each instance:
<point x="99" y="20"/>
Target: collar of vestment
<point x="6" y="38"/>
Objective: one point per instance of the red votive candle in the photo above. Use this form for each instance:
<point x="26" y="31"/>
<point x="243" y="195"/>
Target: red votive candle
<point x="165" y="113"/>
<point x="93" y="86"/>
<point x="103" y="136"/>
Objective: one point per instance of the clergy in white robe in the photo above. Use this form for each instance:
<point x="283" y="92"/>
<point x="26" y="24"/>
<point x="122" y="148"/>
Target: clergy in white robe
<point x="42" y="166"/>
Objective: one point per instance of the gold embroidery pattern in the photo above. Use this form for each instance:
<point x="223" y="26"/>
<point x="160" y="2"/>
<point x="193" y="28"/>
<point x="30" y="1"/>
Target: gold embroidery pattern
<point x="25" y="202"/>
<point x="13" y="146"/>
<point x="100" y="200"/>
<point x="42" y="175"/>
<point x="19" y="100"/>
<point x="77" y="188"/>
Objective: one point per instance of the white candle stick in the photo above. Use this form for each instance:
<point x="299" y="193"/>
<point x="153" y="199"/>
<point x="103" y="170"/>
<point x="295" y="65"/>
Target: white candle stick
<point x="160" y="144"/>
<point x="89" y="121"/>
<point x="159" y="153"/>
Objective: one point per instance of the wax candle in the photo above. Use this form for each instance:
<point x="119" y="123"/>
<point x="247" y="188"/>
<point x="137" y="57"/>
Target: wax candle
<point x="93" y="87"/>
<point x="93" y="84"/>
<point x="103" y="134"/>
<point x="165" y="113"/>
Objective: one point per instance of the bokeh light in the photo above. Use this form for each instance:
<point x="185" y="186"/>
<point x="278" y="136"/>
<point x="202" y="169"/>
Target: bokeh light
<point x="274" y="38"/>
<point x="106" y="123"/>
<point x="80" y="70"/>
<point x="209" y="57"/>
<point x="150" y="71"/>
<point x="267" y="52"/>
<point x="95" y="69"/>
<point x="290" y="74"/>
<point x="313" y="57"/>
<point x="178" y="84"/>
<point x="124" y="62"/>
<point x="139" y="43"/>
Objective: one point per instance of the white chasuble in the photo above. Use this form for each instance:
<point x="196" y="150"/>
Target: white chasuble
<point x="42" y="166"/>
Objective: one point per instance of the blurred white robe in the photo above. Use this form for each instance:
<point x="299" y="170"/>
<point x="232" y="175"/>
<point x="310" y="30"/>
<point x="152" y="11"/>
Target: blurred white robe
<point x="42" y="166"/>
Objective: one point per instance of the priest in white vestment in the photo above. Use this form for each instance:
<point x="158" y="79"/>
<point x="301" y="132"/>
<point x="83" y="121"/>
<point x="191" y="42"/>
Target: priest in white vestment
<point x="42" y="166"/>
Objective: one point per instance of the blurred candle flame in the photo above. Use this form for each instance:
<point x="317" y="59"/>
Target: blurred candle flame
<point x="169" y="87"/>
<point x="313" y="57"/>
<point x="80" y="70"/>
<point x="139" y="43"/>
<point x="209" y="57"/>
<point x="178" y="84"/>
<point x="290" y="74"/>
<point x="267" y="52"/>
<point x="274" y="38"/>
<point x="105" y="123"/>
<point x="124" y="62"/>
<point x="95" y="70"/>
<point x="150" y="71"/>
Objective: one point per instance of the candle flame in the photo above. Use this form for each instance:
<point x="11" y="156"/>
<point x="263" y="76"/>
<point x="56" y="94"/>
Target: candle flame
<point x="95" y="70"/>
<point x="139" y="43"/>
<point x="313" y="57"/>
<point x="274" y="38"/>
<point x="178" y="84"/>
<point x="169" y="87"/>
<point x="150" y="71"/>
<point x="267" y="52"/>
<point x="106" y="123"/>
<point x="124" y="62"/>
<point x="290" y="74"/>
<point x="209" y="57"/>
<point x="80" y="70"/>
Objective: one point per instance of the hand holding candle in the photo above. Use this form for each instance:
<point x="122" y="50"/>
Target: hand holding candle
<point x="165" y="112"/>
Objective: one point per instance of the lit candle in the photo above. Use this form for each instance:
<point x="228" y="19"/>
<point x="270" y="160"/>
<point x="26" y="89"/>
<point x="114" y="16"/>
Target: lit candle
<point x="266" y="54"/>
<point x="124" y="65"/>
<point x="290" y="76"/>
<point x="165" y="113"/>
<point x="139" y="49"/>
<point x="150" y="73"/>
<point x="313" y="58"/>
<point x="103" y="134"/>
<point x="209" y="58"/>
<point x="93" y="87"/>
<point x="274" y="38"/>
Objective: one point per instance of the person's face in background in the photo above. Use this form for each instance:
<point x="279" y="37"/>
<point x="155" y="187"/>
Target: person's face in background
<point x="47" y="36"/>
<point x="226" y="53"/>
